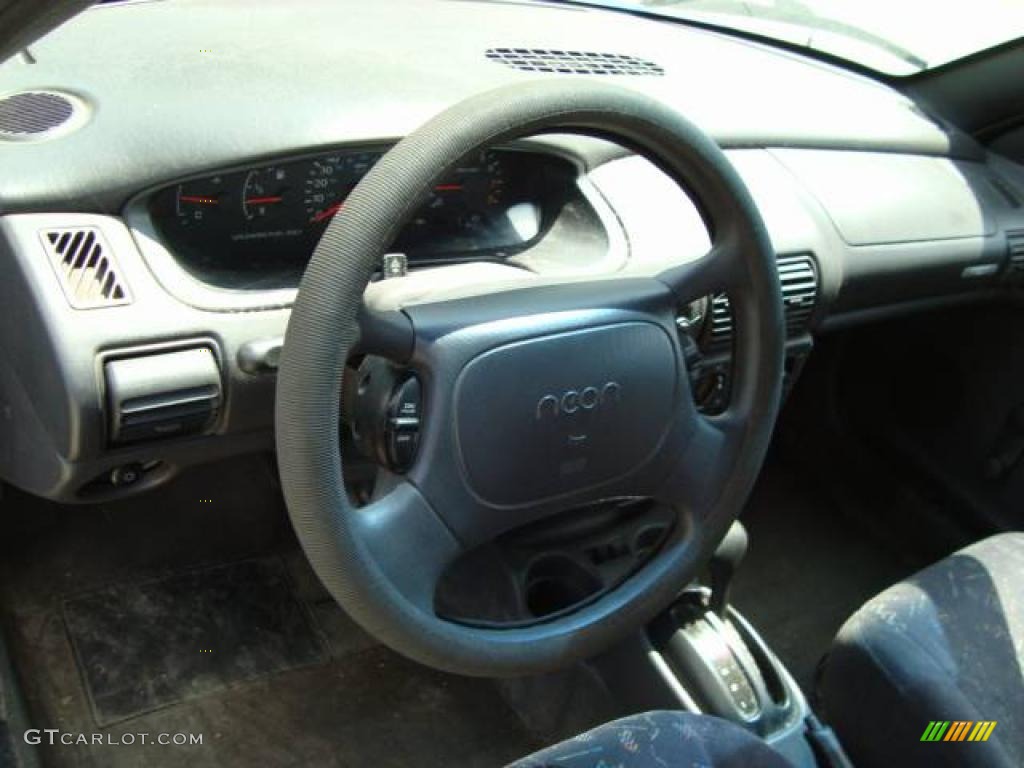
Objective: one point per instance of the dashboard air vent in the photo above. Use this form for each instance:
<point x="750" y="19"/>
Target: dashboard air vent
<point x="1015" y="247"/>
<point x="85" y="267"/>
<point x="799" y="295"/>
<point x="573" y="62"/>
<point x="799" y="291"/>
<point x="35" y="115"/>
<point x="721" y="322"/>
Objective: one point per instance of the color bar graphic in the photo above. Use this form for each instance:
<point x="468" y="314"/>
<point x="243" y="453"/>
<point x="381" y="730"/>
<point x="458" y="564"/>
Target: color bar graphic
<point x="958" y="730"/>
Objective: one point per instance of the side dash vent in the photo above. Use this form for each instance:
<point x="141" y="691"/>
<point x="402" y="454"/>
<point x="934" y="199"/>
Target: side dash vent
<point x="85" y="267"/>
<point x="799" y="281"/>
<point x="573" y="62"/>
<point x="1015" y="247"/>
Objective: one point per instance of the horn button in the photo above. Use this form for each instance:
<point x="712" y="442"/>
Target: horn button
<point x="556" y="414"/>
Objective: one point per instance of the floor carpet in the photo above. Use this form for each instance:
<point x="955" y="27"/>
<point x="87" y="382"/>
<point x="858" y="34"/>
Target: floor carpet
<point x="298" y="683"/>
<point x="144" y="646"/>
<point x="108" y="610"/>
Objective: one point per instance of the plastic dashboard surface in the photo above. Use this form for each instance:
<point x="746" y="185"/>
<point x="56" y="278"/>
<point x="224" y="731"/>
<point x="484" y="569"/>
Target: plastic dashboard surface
<point x="256" y="227"/>
<point x="270" y="104"/>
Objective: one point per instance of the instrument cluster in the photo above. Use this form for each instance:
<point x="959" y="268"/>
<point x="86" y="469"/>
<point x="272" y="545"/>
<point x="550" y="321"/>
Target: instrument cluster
<point x="257" y="227"/>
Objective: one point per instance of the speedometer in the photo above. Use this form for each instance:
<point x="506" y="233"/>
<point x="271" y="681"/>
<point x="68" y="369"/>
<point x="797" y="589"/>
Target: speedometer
<point x="329" y="181"/>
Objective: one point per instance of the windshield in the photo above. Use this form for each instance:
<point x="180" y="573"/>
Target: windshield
<point x="896" y="37"/>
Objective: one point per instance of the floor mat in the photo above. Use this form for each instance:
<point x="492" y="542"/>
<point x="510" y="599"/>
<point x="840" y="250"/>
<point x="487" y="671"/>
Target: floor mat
<point x="144" y="646"/>
<point x="362" y="705"/>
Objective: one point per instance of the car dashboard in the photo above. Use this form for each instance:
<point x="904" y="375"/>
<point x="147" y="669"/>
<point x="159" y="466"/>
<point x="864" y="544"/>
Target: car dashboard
<point x="153" y="252"/>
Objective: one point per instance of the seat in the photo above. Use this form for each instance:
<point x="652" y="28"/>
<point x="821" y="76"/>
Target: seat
<point x="946" y="645"/>
<point x="659" y="740"/>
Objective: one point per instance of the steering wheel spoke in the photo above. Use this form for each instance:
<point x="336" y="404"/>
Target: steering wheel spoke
<point x="703" y="466"/>
<point x="408" y="543"/>
<point x="714" y="272"/>
<point x="386" y="333"/>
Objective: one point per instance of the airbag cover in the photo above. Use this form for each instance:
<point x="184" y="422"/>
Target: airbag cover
<point x="558" y="413"/>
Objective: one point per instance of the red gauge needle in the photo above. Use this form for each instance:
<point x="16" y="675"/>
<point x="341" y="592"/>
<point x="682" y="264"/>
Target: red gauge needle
<point x="448" y="188"/>
<point x="199" y="199"/>
<point x="327" y="213"/>
<point x="263" y="200"/>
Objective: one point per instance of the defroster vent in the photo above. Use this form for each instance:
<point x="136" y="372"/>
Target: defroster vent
<point x="565" y="62"/>
<point x="85" y="267"/>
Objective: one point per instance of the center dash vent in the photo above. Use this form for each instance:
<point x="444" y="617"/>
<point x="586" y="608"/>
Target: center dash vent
<point x="85" y="267"/>
<point x="573" y="62"/>
<point x="1015" y="247"/>
<point x="799" y="294"/>
<point x="721" y="322"/>
<point x="799" y="291"/>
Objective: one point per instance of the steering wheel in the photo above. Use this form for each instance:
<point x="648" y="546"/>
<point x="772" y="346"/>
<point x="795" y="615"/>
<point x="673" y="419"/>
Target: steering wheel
<point x="506" y="379"/>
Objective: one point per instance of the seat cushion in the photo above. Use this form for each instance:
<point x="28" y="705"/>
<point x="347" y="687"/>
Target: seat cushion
<point x="945" y="645"/>
<point x="659" y="740"/>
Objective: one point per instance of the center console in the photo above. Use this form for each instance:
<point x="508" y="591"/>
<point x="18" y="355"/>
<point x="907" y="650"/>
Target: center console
<point x="724" y="667"/>
<point x="702" y="656"/>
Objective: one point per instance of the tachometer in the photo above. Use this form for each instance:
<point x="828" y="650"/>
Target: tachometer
<point x="494" y="174"/>
<point x="467" y="207"/>
<point x="475" y="184"/>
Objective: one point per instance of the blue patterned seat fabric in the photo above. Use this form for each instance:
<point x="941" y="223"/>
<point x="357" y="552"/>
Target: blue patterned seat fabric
<point x="947" y="644"/>
<point x="660" y="740"/>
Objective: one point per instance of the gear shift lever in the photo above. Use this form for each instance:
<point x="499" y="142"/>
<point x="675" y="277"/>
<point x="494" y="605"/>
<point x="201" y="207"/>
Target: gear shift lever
<point x="723" y="566"/>
<point x="719" y="663"/>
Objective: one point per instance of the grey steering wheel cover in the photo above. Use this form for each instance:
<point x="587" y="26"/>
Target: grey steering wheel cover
<point x="323" y="330"/>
